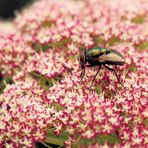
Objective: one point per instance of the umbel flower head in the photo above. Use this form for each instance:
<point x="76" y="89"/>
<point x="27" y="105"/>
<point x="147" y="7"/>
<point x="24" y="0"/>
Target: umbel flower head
<point x="46" y="102"/>
<point x="13" y="53"/>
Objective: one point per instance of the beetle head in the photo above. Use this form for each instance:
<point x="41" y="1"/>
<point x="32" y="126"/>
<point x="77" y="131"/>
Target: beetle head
<point x="82" y="58"/>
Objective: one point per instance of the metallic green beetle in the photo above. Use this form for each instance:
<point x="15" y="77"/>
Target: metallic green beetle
<point x="100" y="57"/>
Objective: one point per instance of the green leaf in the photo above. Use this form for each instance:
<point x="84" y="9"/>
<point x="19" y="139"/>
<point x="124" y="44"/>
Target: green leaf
<point x="39" y="47"/>
<point x="138" y="19"/>
<point x="51" y="138"/>
<point x="113" y="41"/>
<point x="132" y="68"/>
<point x="98" y="89"/>
<point x="99" y="41"/>
<point x="101" y="139"/>
<point x="143" y="46"/>
<point x="4" y="81"/>
<point x="43" y="81"/>
<point x="57" y="140"/>
<point x="2" y="87"/>
<point x="111" y="139"/>
<point x="57" y="106"/>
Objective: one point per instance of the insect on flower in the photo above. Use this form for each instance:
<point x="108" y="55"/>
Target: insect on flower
<point x="100" y="57"/>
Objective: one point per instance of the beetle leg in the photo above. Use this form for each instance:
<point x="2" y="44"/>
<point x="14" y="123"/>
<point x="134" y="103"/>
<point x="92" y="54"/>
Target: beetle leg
<point x="89" y="65"/>
<point x="95" y="76"/>
<point x="111" y="69"/>
<point x="82" y="74"/>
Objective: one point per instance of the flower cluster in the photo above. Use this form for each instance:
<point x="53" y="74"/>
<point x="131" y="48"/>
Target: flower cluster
<point x="110" y="110"/>
<point x="23" y="114"/>
<point x="98" y="23"/>
<point x="13" y="53"/>
<point x="50" y="64"/>
<point x="47" y="103"/>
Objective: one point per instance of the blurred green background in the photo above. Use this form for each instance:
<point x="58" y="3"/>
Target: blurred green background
<point x="7" y="7"/>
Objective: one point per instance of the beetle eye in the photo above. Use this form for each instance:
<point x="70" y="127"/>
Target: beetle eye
<point x="82" y="58"/>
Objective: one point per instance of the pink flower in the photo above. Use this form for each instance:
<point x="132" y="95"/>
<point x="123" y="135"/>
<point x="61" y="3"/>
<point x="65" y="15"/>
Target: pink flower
<point x="46" y="101"/>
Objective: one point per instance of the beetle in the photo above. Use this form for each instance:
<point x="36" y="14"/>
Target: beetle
<point x="100" y="57"/>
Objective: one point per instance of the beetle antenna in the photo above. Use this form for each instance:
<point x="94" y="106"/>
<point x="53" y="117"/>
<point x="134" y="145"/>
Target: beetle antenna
<point x="111" y="69"/>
